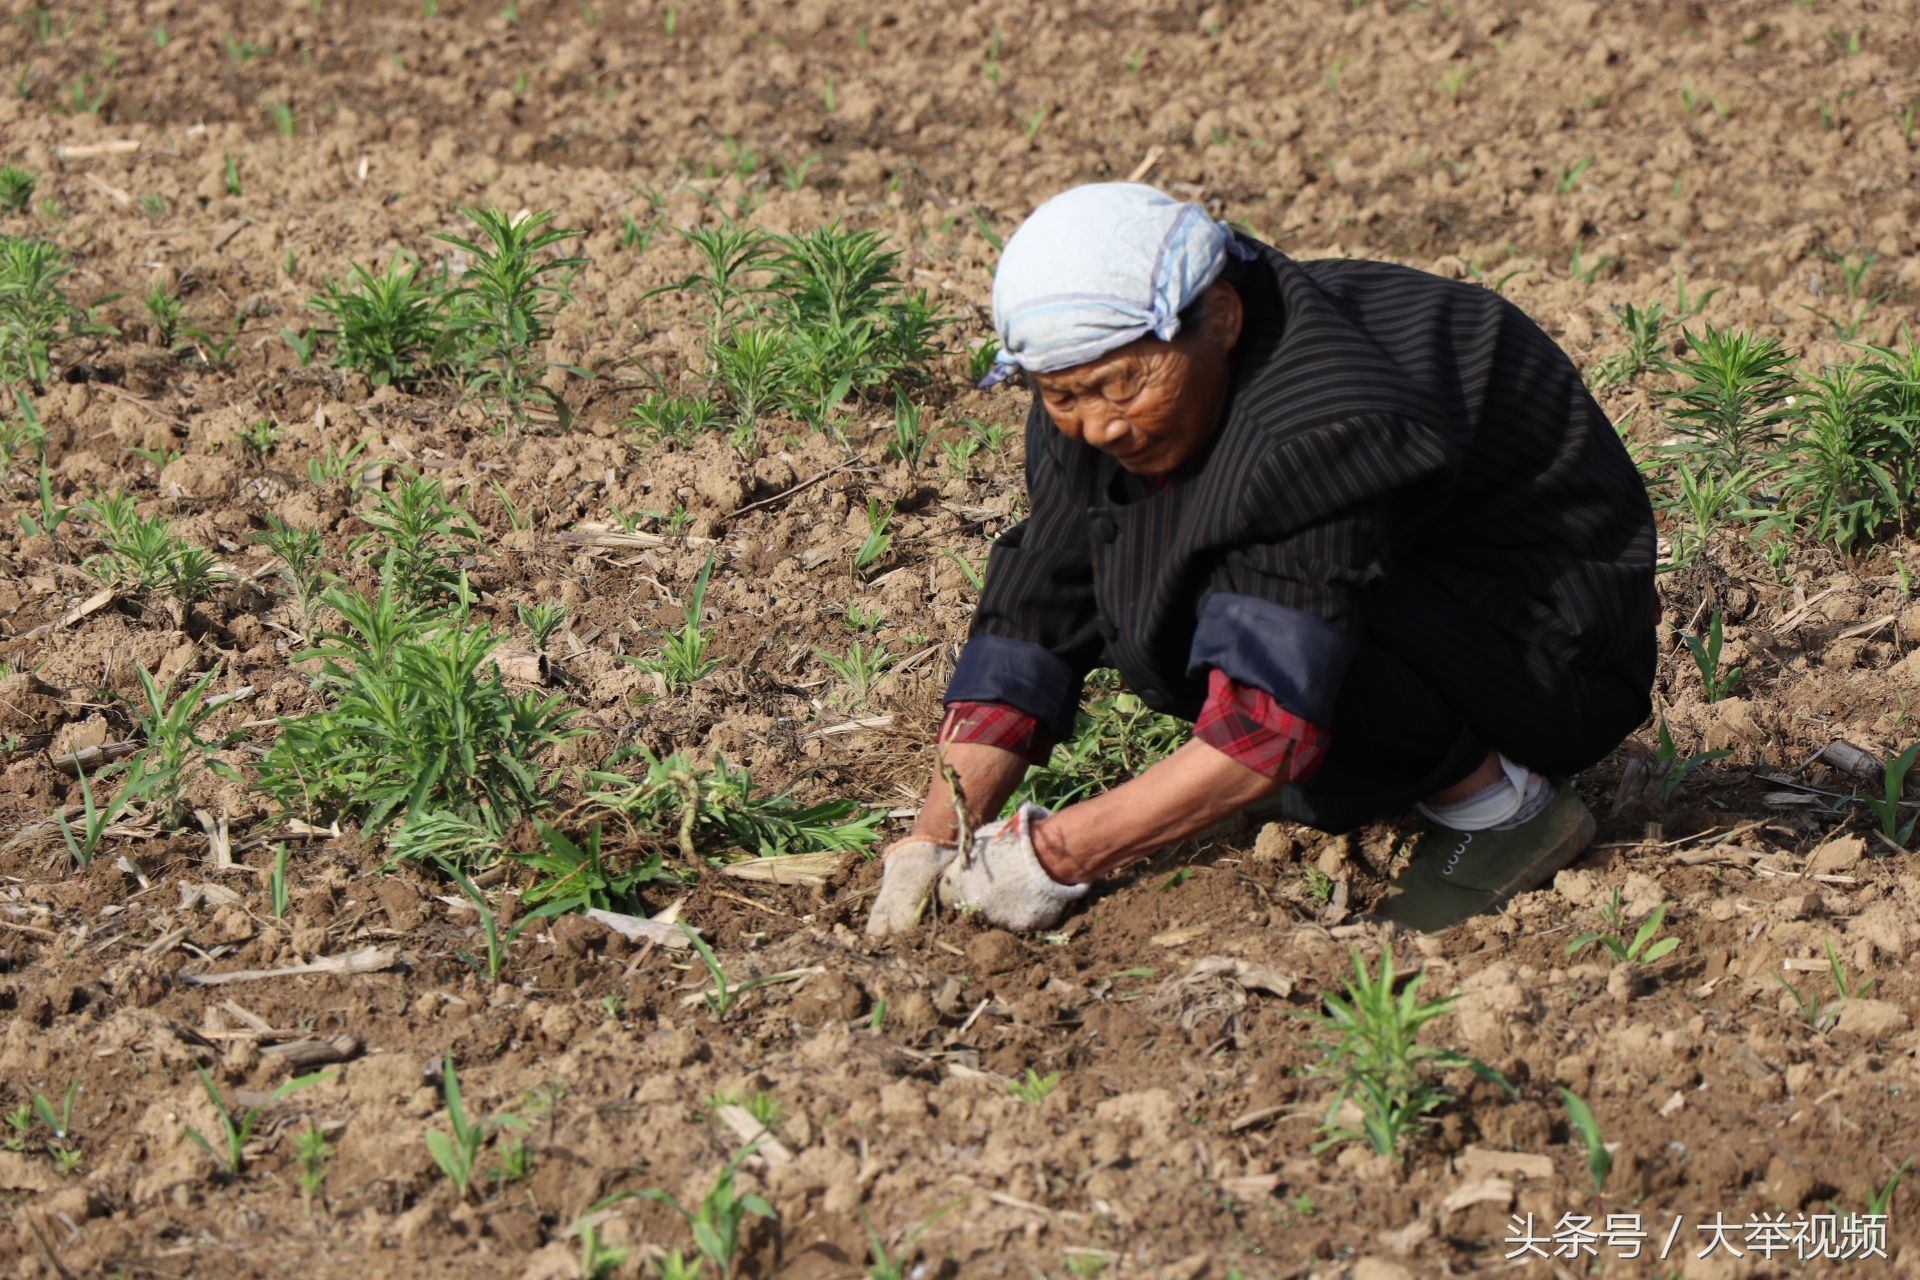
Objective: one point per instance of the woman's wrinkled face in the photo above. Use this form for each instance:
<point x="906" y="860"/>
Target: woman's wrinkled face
<point x="1151" y="405"/>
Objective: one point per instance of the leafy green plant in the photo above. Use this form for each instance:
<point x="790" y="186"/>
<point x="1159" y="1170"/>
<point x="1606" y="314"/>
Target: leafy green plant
<point x="1732" y="410"/>
<point x="421" y="534"/>
<point x="726" y="994"/>
<point x="234" y="1132"/>
<point x="392" y="327"/>
<point x="891" y="1262"/>
<point x="1579" y="269"/>
<point x="164" y="311"/>
<point x="1377" y="1061"/>
<point x="34" y="311"/>
<point x="1641" y="950"/>
<point x="337" y="466"/>
<point x="911" y="435"/>
<point x="752" y="364"/>
<point x="878" y="539"/>
<point x="1570" y="177"/>
<point x="143" y="558"/>
<point x="1673" y="768"/>
<point x="311" y="1153"/>
<point x="279" y="895"/>
<point x="417" y="720"/>
<point x="21" y="437"/>
<point x="1822" y="1017"/>
<point x="300" y="552"/>
<point x="681" y="658"/>
<point x="16" y="189"/>
<point x="678" y="420"/>
<point x="859" y="669"/>
<point x="59" y="1120"/>
<point x="499" y="944"/>
<point x="230" y="175"/>
<point x="94" y="819"/>
<point x="1115" y="736"/>
<point x="1709" y="499"/>
<point x="689" y="808"/>
<point x="1647" y="342"/>
<point x="282" y="116"/>
<point x="1894" y="788"/>
<point x="46" y="524"/>
<point x="1033" y="1087"/>
<point x="730" y="253"/>
<point x="717" y="1221"/>
<point x="504" y="305"/>
<point x="541" y="620"/>
<point x="1706" y="656"/>
<point x="1599" y="1159"/>
<point x="174" y="750"/>
<point x="575" y="876"/>
<point x="1841" y="473"/>
<point x="458" y="1153"/>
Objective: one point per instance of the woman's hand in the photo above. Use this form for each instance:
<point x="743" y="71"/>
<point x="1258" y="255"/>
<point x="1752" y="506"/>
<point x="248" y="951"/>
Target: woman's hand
<point x="912" y="867"/>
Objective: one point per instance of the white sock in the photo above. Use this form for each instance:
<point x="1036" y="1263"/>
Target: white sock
<point x="1517" y="797"/>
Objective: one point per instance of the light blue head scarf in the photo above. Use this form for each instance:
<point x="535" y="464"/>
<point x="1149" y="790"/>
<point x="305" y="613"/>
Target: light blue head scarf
<point x="1098" y="266"/>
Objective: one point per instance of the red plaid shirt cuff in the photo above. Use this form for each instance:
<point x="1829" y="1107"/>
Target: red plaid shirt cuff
<point x="996" y="724"/>
<point x="1249" y="725"/>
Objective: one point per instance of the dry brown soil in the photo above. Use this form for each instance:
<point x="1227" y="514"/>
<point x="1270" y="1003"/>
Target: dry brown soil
<point x="1736" y="144"/>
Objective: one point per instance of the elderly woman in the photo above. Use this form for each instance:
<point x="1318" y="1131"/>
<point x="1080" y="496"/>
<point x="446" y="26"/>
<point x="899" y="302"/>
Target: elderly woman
<point x="1363" y="526"/>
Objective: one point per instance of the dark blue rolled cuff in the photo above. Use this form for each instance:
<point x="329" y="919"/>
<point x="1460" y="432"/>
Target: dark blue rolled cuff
<point x="1298" y="658"/>
<point x="1021" y="674"/>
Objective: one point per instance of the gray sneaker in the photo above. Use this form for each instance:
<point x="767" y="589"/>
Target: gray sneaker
<point x="1455" y="874"/>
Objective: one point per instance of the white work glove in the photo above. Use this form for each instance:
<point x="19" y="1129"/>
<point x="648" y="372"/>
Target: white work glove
<point x="906" y="884"/>
<point x="1003" y="880"/>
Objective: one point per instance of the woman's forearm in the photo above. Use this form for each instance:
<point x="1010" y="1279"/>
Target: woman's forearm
<point x="987" y="777"/>
<point x="1182" y="795"/>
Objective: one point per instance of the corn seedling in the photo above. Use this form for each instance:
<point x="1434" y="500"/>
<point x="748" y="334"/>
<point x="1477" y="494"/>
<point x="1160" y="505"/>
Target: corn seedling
<point x="1706" y="656"/>
<point x="891" y="1262"/>
<point x="975" y="574"/>
<point x="1894" y="785"/>
<point x="16" y="189"/>
<point x="299" y="552"/>
<point x="1673" y="768"/>
<point x="516" y="1161"/>
<point x="458" y="1153"/>
<point x="235" y="1133"/>
<point x="598" y="1259"/>
<point x="311" y="1153"/>
<point x="46" y="524"/>
<point x="1377" y="1060"/>
<point x="1570" y="177"/>
<point x="1643" y="949"/>
<point x="392" y="327"/>
<point x="715" y="1223"/>
<point x="911" y="434"/>
<point x="1033" y="1088"/>
<point x="725" y="994"/>
<point x="541" y="620"/>
<point x="499" y="943"/>
<point x="230" y="175"/>
<point x="1582" y="272"/>
<point x="878" y="539"/>
<point x="1454" y="81"/>
<point x="94" y="820"/>
<point x="636" y="236"/>
<point x="1823" y="1017"/>
<point x="417" y="720"/>
<point x="26" y="436"/>
<point x="59" y="1120"/>
<point x="421" y="535"/>
<point x="282" y="116"/>
<point x="1599" y="1159"/>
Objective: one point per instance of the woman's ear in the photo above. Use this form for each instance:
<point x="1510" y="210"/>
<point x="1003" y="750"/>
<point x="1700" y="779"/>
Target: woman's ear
<point x="1224" y="315"/>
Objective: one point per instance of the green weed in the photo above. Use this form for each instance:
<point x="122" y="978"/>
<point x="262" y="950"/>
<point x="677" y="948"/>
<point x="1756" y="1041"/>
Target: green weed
<point x="34" y="311"/>
<point x="726" y="994"/>
<point x="504" y="304"/>
<point x="311" y="1154"/>
<point x="174" y="752"/>
<point x="1115" y="737"/>
<point x="1033" y="1087"/>
<point x="541" y="620"/>
<point x="337" y="466"/>
<point x="1733" y="408"/>
<point x="678" y="420"/>
<point x="1377" y="1061"/>
<point x="575" y="877"/>
<point x="300" y="552"/>
<point x="681" y="658"/>
<point x="859" y="670"/>
<point x="392" y="327"/>
<point x="421" y="536"/>
<point x="1673" y="768"/>
<point x="417" y="720"/>
<point x="16" y="189"/>
<point x="715" y="1223"/>
<point x="499" y="944"/>
<point x="1570" y="177"/>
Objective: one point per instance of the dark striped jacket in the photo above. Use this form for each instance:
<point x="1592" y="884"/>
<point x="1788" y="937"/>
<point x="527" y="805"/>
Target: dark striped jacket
<point x="1381" y="421"/>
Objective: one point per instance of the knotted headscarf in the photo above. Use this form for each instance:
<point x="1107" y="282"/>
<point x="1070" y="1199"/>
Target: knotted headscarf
<point x="1098" y="266"/>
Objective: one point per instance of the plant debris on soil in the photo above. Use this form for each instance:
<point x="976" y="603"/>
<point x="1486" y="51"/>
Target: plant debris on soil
<point x="1132" y="1094"/>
